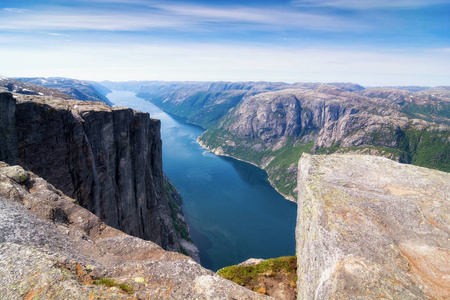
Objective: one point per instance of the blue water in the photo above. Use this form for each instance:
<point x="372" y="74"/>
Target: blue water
<point x="232" y="211"/>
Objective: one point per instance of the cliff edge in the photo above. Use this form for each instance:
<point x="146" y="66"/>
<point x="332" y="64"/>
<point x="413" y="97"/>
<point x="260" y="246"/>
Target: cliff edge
<point x="52" y="248"/>
<point x="369" y="227"/>
<point x="108" y="159"/>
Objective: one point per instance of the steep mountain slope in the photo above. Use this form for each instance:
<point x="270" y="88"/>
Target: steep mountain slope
<point x="108" y="159"/>
<point x="78" y="89"/>
<point x="273" y="129"/>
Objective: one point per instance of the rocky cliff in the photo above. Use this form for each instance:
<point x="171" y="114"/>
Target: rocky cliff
<point x="108" y="159"/>
<point x="273" y="129"/>
<point x="371" y="228"/>
<point x="52" y="248"/>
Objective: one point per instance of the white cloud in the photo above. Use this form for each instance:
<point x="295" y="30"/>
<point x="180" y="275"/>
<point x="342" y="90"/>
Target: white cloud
<point x="370" y="4"/>
<point x="179" y="17"/>
<point x="15" y="10"/>
<point x="275" y="16"/>
<point x="196" y="61"/>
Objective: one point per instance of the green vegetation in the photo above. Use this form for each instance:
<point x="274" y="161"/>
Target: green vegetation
<point x="175" y="208"/>
<point x="439" y="113"/>
<point x="106" y="282"/>
<point x="126" y="288"/>
<point x="418" y="147"/>
<point x="285" y="266"/>
<point x="282" y="169"/>
<point x="427" y="149"/>
<point x="111" y="283"/>
<point x="203" y="108"/>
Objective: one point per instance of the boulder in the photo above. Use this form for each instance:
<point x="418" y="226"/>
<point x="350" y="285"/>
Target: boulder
<point x="372" y="228"/>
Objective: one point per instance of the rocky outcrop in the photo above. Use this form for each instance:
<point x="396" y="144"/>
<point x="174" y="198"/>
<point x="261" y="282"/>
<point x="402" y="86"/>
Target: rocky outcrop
<point x="369" y="227"/>
<point x="52" y="248"/>
<point x="108" y="159"/>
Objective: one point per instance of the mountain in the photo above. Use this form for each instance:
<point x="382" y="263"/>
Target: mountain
<point x="272" y="124"/>
<point x="201" y="103"/>
<point x="78" y="89"/>
<point x="27" y="88"/>
<point x="108" y="159"/>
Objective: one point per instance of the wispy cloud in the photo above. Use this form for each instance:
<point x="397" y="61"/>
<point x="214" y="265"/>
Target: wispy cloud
<point x="180" y="17"/>
<point x="369" y="4"/>
<point x="276" y="17"/>
<point x="55" y="34"/>
<point x="15" y="10"/>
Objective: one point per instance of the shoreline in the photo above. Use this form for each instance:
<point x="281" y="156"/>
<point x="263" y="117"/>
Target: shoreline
<point x="223" y="154"/>
<point x="227" y="155"/>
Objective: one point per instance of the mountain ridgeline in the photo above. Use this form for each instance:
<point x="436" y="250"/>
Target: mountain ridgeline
<point x="63" y="88"/>
<point x="272" y="124"/>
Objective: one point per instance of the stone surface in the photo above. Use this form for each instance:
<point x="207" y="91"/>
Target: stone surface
<point x="371" y="228"/>
<point x="52" y="248"/>
<point x="8" y="133"/>
<point x="108" y="159"/>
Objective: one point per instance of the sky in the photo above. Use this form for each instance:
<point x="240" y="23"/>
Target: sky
<point x="370" y="42"/>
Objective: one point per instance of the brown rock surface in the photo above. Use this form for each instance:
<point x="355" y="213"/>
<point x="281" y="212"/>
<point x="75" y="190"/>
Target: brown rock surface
<point x="371" y="228"/>
<point x="52" y="248"/>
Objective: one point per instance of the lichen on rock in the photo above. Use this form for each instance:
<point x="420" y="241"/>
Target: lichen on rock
<point x="369" y="227"/>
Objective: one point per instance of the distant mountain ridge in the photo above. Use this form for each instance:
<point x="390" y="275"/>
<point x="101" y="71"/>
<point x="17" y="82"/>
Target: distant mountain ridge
<point x="272" y="124"/>
<point x="75" y="89"/>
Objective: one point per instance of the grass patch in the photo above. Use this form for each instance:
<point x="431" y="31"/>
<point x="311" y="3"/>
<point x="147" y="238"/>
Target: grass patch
<point x="126" y="288"/>
<point x="111" y="283"/>
<point x="106" y="282"/>
<point x="275" y="267"/>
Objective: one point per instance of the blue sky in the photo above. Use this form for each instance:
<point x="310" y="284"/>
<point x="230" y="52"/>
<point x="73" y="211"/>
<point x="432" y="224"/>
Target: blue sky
<point x="373" y="42"/>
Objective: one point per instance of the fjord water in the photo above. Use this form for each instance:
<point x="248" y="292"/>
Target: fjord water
<point x="232" y="211"/>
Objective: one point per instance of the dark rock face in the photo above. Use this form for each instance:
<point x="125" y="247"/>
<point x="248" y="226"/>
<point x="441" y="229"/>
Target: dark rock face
<point x="108" y="159"/>
<point x="8" y="134"/>
<point x="52" y="248"/>
<point x="371" y="228"/>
